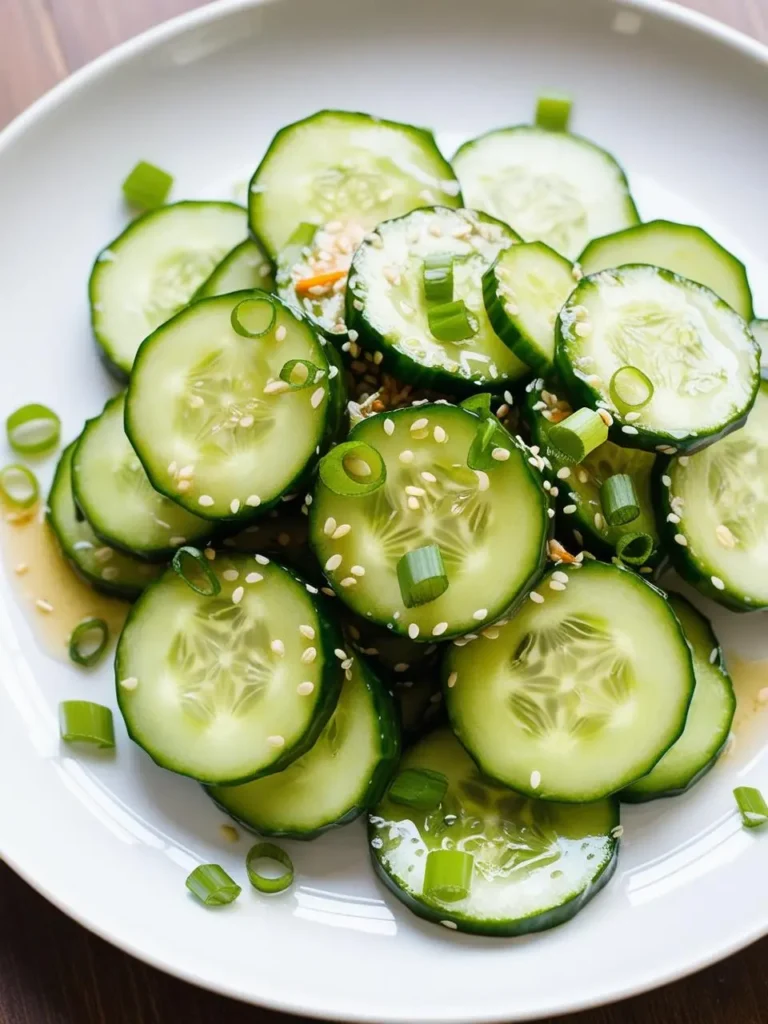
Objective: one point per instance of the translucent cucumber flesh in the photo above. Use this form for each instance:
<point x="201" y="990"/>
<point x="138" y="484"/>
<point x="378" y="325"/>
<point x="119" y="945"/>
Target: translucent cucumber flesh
<point x="217" y="679"/>
<point x="204" y="420"/>
<point x="580" y="694"/>
<point x="759" y="330"/>
<point x="246" y="267"/>
<point x="465" y="513"/>
<point x="535" y="864"/>
<point x="116" y="497"/>
<point x="548" y="186"/>
<point x="720" y="496"/>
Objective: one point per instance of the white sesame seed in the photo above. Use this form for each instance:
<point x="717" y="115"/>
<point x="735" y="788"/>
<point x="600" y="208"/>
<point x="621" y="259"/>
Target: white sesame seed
<point x="480" y="614"/>
<point x="276" y="741"/>
<point x="725" y="537"/>
<point x="551" y="513"/>
<point x="667" y="481"/>
<point x="262" y="559"/>
<point x="684" y="460"/>
<point x="627" y="429"/>
<point x="309" y="655"/>
<point x="439" y="629"/>
<point x="564" y="473"/>
<point x="340" y="654"/>
<point x="234" y="506"/>
<point x="440" y="435"/>
<point x="348" y="581"/>
<point x="237" y="595"/>
<point x="357" y="570"/>
<point x="413" y="631"/>
<point x="535" y="780"/>
<point x="717" y="583"/>
<point x="307" y="631"/>
<point x="420" y="424"/>
<point x="277" y="647"/>
<point x="483" y="481"/>
<point x="389" y="427"/>
<point x="452" y="680"/>
<point x="583" y="476"/>
<point x="561" y="577"/>
<point x="276" y="387"/>
<point x="196" y="401"/>
<point x="450" y="924"/>
<point x="555" y="585"/>
<point x="713" y="655"/>
<point x="206" y="500"/>
<point x="617" y="832"/>
<point x="632" y="417"/>
<point x="681" y="539"/>
<point x="599" y="521"/>
<point x="341" y="531"/>
<point x="210" y="554"/>
<point x="317" y="397"/>
<point x="130" y="683"/>
<point x="353" y="335"/>
<point x="230" y="574"/>
<point x="329" y="527"/>
<point x="333" y="563"/>
<point x="304" y="689"/>
<point x="346" y="664"/>
<point x="606" y="417"/>
<point x="500" y="454"/>
<point x="672" y="518"/>
<point x="569" y="509"/>
<point x="254" y="577"/>
<point x="413" y="504"/>
<point x="281" y="333"/>
<point x="536" y="598"/>
<point x="406" y="456"/>
<point x="43" y="606"/>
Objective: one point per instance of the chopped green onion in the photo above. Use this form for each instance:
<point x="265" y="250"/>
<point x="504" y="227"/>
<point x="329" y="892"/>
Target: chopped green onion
<point x="33" y="429"/>
<point x="489" y="437"/>
<point x="254" y="317"/>
<point x="418" y="787"/>
<point x="554" y="112"/>
<point x="480" y="404"/>
<point x="212" y="885"/>
<point x="438" y="277"/>
<point x="630" y="388"/>
<point x="205" y="581"/>
<point x="18" y="486"/>
<point x="82" y="721"/>
<point x="619" y="500"/>
<point x="274" y="854"/>
<point x="353" y="469"/>
<point x="147" y="186"/>
<point x="452" y="321"/>
<point x="578" y="435"/>
<point x="448" y="875"/>
<point x="300" y="373"/>
<point x="634" y="548"/>
<point x="88" y="642"/>
<point x="754" y="810"/>
<point x="421" y="575"/>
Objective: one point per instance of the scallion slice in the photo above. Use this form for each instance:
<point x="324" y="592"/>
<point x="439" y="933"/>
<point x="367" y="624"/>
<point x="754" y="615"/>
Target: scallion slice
<point x="18" y="486"/>
<point x="147" y="186"/>
<point x="299" y="374"/>
<point x="634" y="548"/>
<point x="33" y="429"/>
<point x="448" y="875"/>
<point x="212" y="885"/>
<point x="578" y="435"/>
<point x="554" y="112"/>
<point x="82" y="721"/>
<point x="421" y="575"/>
<point x="274" y="855"/>
<point x="353" y="469"/>
<point x="754" y="809"/>
<point x="254" y="317"/>
<point x="480" y="404"/>
<point x="421" y="788"/>
<point x="438" y="277"/>
<point x="195" y="569"/>
<point x="619" y="500"/>
<point x="630" y="388"/>
<point x="452" y="321"/>
<point x="88" y="642"/>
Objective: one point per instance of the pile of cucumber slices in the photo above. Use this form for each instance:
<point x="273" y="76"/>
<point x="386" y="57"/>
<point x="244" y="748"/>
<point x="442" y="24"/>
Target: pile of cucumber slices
<point x="402" y="450"/>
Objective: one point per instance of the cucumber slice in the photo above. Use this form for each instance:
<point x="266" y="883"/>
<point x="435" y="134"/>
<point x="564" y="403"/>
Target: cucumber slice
<point x="535" y="864"/>
<point x="759" y="330"/>
<point x="709" y="719"/>
<point x="344" y="773"/>
<point x="697" y="352"/>
<point x="550" y="187"/>
<point x="681" y="248"/>
<point x="211" y="687"/>
<point x="106" y="569"/>
<point x="430" y="496"/>
<point x="581" y="693"/>
<point x="713" y="514"/>
<point x="246" y="267"/>
<point x="206" y="416"/>
<point x="349" y="167"/>
<point x="112" y="491"/>
<point x="387" y="308"/>
<point x="578" y="487"/>
<point x="524" y="290"/>
<point x="153" y="269"/>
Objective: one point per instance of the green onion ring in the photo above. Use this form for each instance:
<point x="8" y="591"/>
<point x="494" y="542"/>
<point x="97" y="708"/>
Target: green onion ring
<point x="353" y="469"/>
<point x="202" y="563"/>
<point x="78" y="640"/>
<point x="254" y="317"/>
<point x="272" y="852"/>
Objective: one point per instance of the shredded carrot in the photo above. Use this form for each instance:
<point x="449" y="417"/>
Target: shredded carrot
<point x="559" y="554"/>
<point x="304" y="285"/>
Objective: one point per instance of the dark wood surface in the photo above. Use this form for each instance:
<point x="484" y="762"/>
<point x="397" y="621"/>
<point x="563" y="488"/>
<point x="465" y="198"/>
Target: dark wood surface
<point x="52" y="971"/>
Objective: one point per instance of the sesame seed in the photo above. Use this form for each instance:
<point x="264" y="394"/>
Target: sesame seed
<point x="333" y="563"/>
<point x="535" y="780"/>
<point x="348" y="581"/>
<point x="357" y="570"/>
<point x="483" y="481"/>
<point x="564" y="473"/>
<point x="277" y="647"/>
<point x="237" y="595"/>
<point x="206" y="500"/>
<point x="491" y="633"/>
<point x="253" y="500"/>
<point x="196" y="401"/>
<point x="420" y="424"/>
<point x="341" y="531"/>
<point x="276" y="387"/>
<point x="317" y="397"/>
<point x="428" y="477"/>
<point x="413" y="631"/>
<point x="452" y="680"/>
<point x="606" y="417"/>
<point x="480" y="614"/>
<point x="667" y="481"/>
<point x="684" y="460"/>
<point x="172" y="468"/>
<point x="713" y="655"/>
<point x="413" y="504"/>
<point x="672" y="518"/>
<point x="725" y="537"/>
<point x="262" y="559"/>
<point x="276" y="741"/>
<point x="353" y="335"/>
<point x="281" y="333"/>
<point x="230" y="574"/>
<point x="561" y="577"/>
<point x="304" y="689"/>
<point x="346" y="664"/>
<point x="418" y="492"/>
<point x="43" y="606"/>
<point x="717" y="583"/>
<point x="681" y="539"/>
<point x="130" y="683"/>
<point x="500" y="454"/>
<point x="627" y="429"/>
<point x="309" y="655"/>
<point x="389" y="427"/>
<point x="536" y="598"/>
<point x="230" y="833"/>
<point x="254" y="577"/>
<point x="234" y="506"/>
<point x="551" y="513"/>
<point x="632" y="417"/>
<point x="617" y="832"/>
<point x="329" y="526"/>
<point x="210" y="554"/>
<point x="450" y="924"/>
<point x="583" y="476"/>
<point x="599" y="521"/>
<point x="569" y="509"/>
<point x="439" y="629"/>
<point x="186" y="472"/>
<point x="555" y="585"/>
<point x="406" y="456"/>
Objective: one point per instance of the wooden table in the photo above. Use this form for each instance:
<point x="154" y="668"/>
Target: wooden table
<point x="51" y="970"/>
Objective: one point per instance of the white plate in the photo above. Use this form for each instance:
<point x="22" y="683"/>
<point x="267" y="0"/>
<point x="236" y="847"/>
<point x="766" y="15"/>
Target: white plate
<point x="682" y="103"/>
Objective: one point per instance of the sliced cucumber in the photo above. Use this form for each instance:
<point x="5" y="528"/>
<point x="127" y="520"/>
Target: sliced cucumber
<point x="103" y="567"/>
<point x="112" y="491"/>
<point x="524" y="290"/>
<point x="535" y="864"/>
<point x="212" y="687"/>
<point x="578" y="487"/>
<point x="581" y="693"/>
<point x="697" y="353"/>
<point x="550" y="187"/>
<point x="430" y="496"/>
<point x="246" y="267"/>
<point x="344" y="773"/>
<point x="387" y="308"/>
<point x="759" y="330"/>
<point x="153" y="269"/>
<point x="709" y="719"/>
<point x="681" y="248"/>
<point x="348" y="167"/>
<point x="713" y="513"/>
<point x="206" y="415"/>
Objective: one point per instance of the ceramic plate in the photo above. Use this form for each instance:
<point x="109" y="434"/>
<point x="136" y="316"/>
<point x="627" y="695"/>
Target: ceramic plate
<point x="682" y="103"/>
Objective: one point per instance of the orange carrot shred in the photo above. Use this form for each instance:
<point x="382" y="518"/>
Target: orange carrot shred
<point x="304" y="285"/>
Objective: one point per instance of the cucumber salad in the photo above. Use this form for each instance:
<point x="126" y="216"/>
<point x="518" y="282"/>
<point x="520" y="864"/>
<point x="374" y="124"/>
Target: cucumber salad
<point x="401" y="454"/>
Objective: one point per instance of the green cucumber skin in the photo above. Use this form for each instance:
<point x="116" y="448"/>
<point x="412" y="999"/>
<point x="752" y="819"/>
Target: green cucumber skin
<point x="649" y="440"/>
<point x="329" y="637"/>
<point x="527" y="926"/>
<point x="386" y="712"/>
